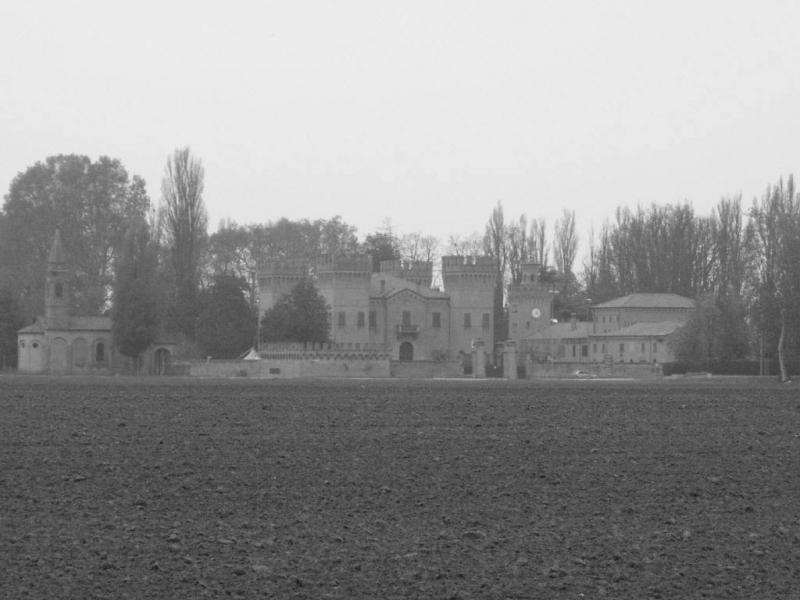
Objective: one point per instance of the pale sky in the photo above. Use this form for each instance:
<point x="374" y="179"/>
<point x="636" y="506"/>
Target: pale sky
<point x="424" y="113"/>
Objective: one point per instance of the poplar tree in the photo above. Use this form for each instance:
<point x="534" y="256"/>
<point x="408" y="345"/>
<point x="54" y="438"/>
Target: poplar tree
<point x="135" y="310"/>
<point x="185" y="221"/>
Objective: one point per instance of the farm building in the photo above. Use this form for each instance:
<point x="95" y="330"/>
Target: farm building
<point x="631" y="329"/>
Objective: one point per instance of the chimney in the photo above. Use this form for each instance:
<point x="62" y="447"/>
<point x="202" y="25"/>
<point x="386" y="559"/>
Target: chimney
<point x="573" y="321"/>
<point x="383" y="286"/>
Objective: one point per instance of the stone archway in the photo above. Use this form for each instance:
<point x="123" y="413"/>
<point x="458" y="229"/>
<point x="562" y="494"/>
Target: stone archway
<point x="406" y="351"/>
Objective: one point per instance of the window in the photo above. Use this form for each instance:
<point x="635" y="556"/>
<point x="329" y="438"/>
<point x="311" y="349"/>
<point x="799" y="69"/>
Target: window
<point x="35" y="345"/>
<point x="603" y="348"/>
<point x="437" y="320"/>
<point x="604" y="318"/>
<point x="622" y="348"/>
<point x="58" y="289"/>
<point x="373" y="320"/>
<point x="585" y="350"/>
<point x="594" y="348"/>
<point x="360" y="321"/>
<point x="642" y="347"/>
<point x="573" y="350"/>
<point x="487" y="321"/>
<point x="655" y="347"/>
<point x="406" y="317"/>
<point x="342" y="320"/>
<point x="527" y="324"/>
<point x="467" y="320"/>
<point x="100" y="352"/>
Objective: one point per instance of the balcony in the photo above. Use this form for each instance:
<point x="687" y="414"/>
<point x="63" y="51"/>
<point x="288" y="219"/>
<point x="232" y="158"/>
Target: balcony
<point x="407" y="330"/>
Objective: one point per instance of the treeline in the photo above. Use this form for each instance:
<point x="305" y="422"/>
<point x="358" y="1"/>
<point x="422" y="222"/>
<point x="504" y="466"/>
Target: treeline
<point x="740" y="261"/>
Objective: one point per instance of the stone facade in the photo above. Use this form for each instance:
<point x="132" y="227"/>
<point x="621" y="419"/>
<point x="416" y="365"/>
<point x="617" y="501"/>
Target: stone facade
<point x="396" y="308"/>
<point x="632" y="329"/>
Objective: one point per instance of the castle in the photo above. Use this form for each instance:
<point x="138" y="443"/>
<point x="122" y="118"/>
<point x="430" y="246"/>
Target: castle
<point x="396" y="308"/>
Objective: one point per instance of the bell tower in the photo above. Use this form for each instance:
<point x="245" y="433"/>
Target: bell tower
<point x="56" y="294"/>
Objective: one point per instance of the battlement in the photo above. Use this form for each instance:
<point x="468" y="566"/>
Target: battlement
<point x="283" y="267"/>
<point x="418" y="271"/>
<point x="531" y="275"/>
<point x="474" y="265"/>
<point x="348" y="264"/>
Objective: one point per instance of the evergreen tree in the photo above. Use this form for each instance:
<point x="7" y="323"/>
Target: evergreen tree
<point x="226" y="325"/>
<point x="300" y="316"/>
<point x="135" y="309"/>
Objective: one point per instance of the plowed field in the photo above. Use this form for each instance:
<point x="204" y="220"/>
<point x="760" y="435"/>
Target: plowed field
<point x="173" y="489"/>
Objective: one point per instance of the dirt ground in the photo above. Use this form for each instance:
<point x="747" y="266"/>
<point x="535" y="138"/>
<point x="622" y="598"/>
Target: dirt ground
<point x="118" y="488"/>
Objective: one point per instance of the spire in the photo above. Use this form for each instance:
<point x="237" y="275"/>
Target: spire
<point x="56" y="256"/>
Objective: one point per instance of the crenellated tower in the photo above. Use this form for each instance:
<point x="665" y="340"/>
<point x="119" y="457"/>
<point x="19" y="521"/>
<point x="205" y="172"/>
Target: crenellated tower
<point x="470" y="281"/>
<point x="345" y="284"/>
<point x="57" y="292"/>
<point x="417" y="271"/>
<point x="530" y="303"/>
<point x="276" y="278"/>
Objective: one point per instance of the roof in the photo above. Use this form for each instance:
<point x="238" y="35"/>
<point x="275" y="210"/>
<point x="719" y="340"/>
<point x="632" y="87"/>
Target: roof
<point x="642" y="300"/>
<point x="90" y="323"/>
<point x="35" y="327"/>
<point x="660" y="328"/>
<point x="84" y="324"/>
<point x="393" y="285"/>
<point x="564" y="331"/>
<point x="57" y="255"/>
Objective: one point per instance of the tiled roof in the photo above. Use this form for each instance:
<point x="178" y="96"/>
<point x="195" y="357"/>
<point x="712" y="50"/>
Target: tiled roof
<point x="90" y="323"/>
<point x="648" y="301"/>
<point x="86" y="324"/>
<point x="643" y="330"/>
<point x="35" y="327"/>
<point x="564" y="331"/>
<point x="394" y="285"/>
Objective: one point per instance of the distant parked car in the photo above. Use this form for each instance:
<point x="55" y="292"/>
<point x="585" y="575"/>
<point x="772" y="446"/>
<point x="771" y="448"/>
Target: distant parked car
<point x="584" y="374"/>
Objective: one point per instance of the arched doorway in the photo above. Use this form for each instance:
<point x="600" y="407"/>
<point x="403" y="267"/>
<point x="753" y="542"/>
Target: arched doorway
<point x="161" y="361"/>
<point x="406" y="351"/>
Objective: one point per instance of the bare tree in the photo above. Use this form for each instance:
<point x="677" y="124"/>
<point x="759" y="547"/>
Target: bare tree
<point x="518" y="247"/>
<point x="777" y="224"/>
<point x="185" y="221"/>
<point x="565" y="244"/>
<point x="416" y="246"/>
<point x="538" y="242"/>
<point x="469" y="245"/>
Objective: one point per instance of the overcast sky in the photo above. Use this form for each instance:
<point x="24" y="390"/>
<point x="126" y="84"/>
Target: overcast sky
<point x="426" y="113"/>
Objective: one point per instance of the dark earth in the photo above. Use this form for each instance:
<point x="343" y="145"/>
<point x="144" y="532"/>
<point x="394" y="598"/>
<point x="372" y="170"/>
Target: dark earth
<point x="124" y="488"/>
